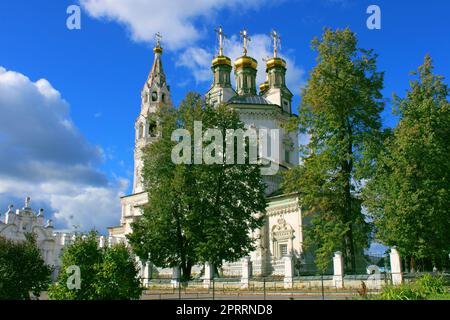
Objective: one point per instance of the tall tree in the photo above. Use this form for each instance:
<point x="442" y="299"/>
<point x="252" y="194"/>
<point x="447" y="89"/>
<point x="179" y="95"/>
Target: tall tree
<point x="409" y="198"/>
<point x="340" y="112"/>
<point x="197" y="213"/>
<point x="22" y="269"/>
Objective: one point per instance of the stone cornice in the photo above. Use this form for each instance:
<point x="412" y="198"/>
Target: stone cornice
<point x="282" y="209"/>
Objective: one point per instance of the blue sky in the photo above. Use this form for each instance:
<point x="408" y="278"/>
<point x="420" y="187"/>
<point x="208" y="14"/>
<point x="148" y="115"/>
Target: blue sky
<point x="93" y="79"/>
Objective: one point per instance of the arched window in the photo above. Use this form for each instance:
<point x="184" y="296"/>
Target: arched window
<point x="163" y="97"/>
<point x="154" y="96"/>
<point x="152" y="129"/>
<point x="141" y="131"/>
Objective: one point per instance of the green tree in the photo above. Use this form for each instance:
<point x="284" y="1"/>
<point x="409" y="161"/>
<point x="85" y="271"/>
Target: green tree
<point x="22" y="269"/>
<point x="197" y="212"/>
<point x="105" y="273"/>
<point x="409" y="197"/>
<point x="340" y="112"/>
<point x="116" y="276"/>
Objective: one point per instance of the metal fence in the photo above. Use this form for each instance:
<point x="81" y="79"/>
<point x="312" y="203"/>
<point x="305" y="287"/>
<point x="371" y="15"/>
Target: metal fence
<point x="258" y="288"/>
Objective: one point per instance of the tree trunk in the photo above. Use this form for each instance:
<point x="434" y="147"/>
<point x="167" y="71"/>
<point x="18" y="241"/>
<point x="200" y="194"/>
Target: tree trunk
<point x="186" y="271"/>
<point x="347" y="168"/>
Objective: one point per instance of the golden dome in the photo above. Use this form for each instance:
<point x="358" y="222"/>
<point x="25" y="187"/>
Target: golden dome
<point x="264" y="86"/>
<point x="245" y="62"/>
<point x="157" y="50"/>
<point x="220" y="60"/>
<point x="275" y="62"/>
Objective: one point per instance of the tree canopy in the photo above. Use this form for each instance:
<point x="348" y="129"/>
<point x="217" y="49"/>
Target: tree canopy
<point x="22" y="269"/>
<point x="197" y="213"/>
<point x="409" y="197"/>
<point x="105" y="273"/>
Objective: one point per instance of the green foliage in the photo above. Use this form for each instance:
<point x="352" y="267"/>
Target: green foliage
<point x="431" y="285"/>
<point x="116" y="276"/>
<point x="22" y="269"/>
<point x="402" y="292"/>
<point x="340" y="112"/>
<point x="441" y="296"/>
<point x="106" y="273"/>
<point x="197" y="212"/>
<point x="427" y="287"/>
<point x="409" y="197"/>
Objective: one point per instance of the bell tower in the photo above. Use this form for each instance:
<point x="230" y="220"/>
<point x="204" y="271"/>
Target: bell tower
<point x="154" y="94"/>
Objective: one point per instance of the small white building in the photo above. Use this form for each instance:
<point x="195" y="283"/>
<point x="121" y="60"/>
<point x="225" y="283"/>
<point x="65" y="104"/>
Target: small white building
<point x="17" y="223"/>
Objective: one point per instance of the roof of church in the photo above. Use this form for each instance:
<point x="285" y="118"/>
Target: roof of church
<point x="156" y="74"/>
<point x="248" y="100"/>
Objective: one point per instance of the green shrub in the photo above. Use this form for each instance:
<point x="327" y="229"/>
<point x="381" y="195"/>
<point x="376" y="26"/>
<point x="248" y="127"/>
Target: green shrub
<point x="442" y="296"/>
<point x="22" y="269"/>
<point x="431" y="285"/>
<point x="105" y="273"/>
<point x="426" y="287"/>
<point x="402" y="292"/>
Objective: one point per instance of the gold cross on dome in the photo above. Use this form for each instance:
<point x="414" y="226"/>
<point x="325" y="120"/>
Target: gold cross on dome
<point x="221" y="35"/>
<point x="246" y="39"/>
<point x="276" y="42"/>
<point x="158" y="37"/>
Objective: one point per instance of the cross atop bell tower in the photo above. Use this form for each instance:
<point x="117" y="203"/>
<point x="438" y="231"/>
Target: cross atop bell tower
<point x="158" y="37"/>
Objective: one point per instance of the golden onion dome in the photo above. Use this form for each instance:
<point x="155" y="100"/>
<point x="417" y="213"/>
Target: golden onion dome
<point x="157" y="50"/>
<point x="264" y="86"/>
<point x="245" y="62"/>
<point x="221" y="60"/>
<point x="275" y="62"/>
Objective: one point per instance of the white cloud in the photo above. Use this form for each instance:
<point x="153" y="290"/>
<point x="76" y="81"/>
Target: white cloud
<point x="198" y="60"/>
<point x="181" y="22"/>
<point x="97" y="207"/>
<point x="46" y="157"/>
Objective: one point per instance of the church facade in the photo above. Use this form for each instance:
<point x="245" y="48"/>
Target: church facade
<point x="267" y="108"/>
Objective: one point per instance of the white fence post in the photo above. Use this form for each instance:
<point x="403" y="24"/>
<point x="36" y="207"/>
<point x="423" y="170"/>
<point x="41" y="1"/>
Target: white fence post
<point x="110" y="241"/>
<point x="175" y="277"/>
<point x="209" y="271"/>
<point x="101" y="241"/>
<point x="245" y="272"/>
<point x="146" y="265"/>
<point x="288" y="272"/>
<point x="396" y="267"/>
<point x="338" y="266"/>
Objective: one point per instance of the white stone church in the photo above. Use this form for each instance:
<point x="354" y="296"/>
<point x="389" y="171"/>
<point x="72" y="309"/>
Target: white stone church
<point x="269" y="108"/>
